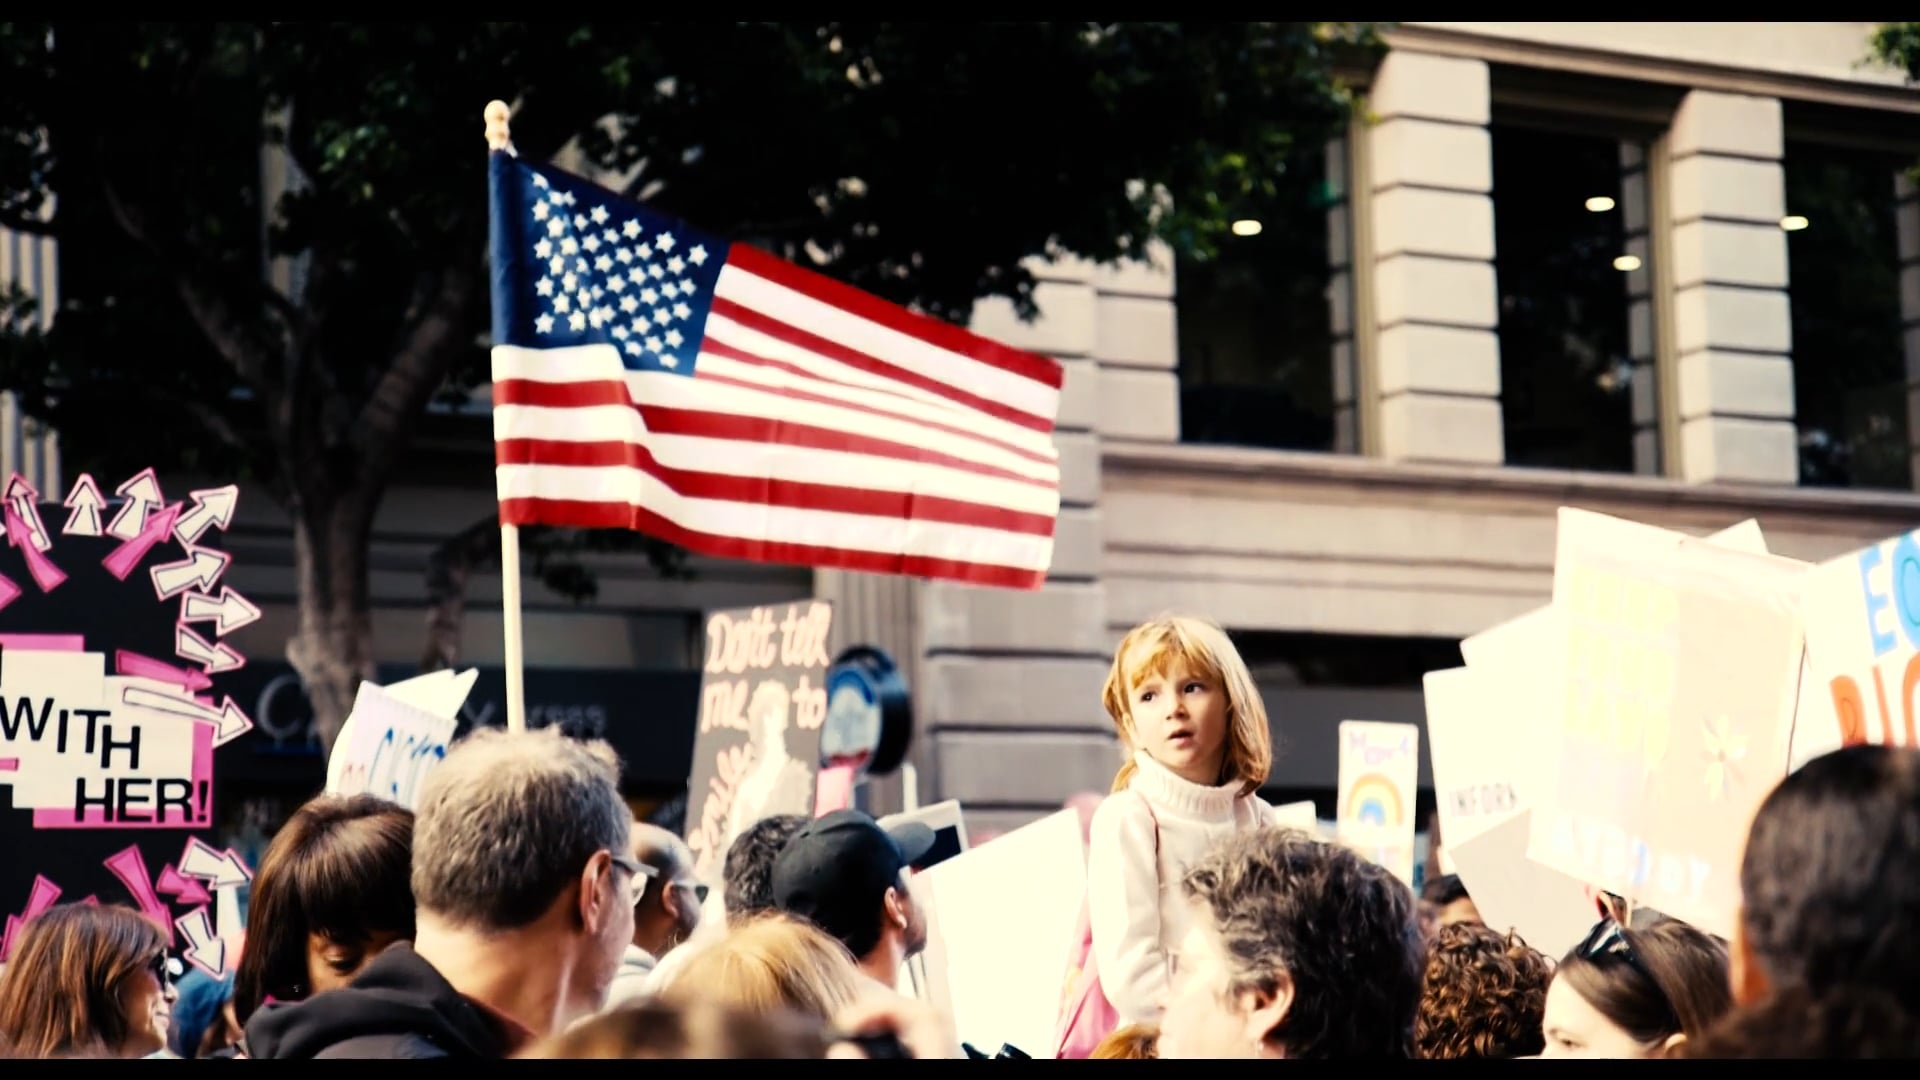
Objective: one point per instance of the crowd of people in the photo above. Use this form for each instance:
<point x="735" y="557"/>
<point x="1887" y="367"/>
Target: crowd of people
<point x="519" y="911"/>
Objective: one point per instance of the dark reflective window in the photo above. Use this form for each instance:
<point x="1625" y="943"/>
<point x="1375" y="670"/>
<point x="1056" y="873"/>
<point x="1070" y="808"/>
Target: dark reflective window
<point x="1843" y="263"/>
<point x="1561" y="264"/>
<point x="1257" y="333"/>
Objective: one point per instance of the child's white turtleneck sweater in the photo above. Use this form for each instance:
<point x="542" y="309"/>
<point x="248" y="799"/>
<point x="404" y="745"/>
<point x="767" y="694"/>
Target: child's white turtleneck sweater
<point x="1134" y="904"/>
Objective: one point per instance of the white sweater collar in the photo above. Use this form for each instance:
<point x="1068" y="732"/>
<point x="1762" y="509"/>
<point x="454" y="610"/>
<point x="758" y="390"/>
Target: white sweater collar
<point x="1163" y="787"/>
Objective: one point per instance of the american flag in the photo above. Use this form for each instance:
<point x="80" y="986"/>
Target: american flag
<point x="648" y="376"/>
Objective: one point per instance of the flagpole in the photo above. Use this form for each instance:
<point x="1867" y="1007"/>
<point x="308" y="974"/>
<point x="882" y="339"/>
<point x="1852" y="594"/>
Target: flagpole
<point x="500" y="138"/>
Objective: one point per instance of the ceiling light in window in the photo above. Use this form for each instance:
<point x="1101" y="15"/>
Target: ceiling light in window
<point x="1793" y="223"/>
<point x="1246" y="227"/>
<point x="1627" y="262"/>
<point x="1600" y="204"/>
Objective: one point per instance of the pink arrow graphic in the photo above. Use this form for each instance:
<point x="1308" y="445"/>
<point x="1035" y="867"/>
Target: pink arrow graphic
<point x="25" y="498"/>
<point x="9" y="592"/>
<point x="21" y="535"/>
<point x="131" y="868"/>
<point x="123" y="559"/>
<point x="146" y="667"/>
<point x="40" y="897"/>
<point x="184" y="890"/>
<point x="86" y="502"/>
<point x="204" y="950"/>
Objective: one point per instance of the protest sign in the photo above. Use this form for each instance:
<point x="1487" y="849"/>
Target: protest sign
<point x="763" y="700"/>
<point x="1548" y="909"/>
<point x="1476" y="759"/>
<point x="111" y="640"/>
<point x="1300" y="815"/>
<point x="1862" y="614"/>
<point x="396" y="735"/>
<point x="1379" y="768"/>
<point x="997" y="956"/>
<point x="1682" y="662"/>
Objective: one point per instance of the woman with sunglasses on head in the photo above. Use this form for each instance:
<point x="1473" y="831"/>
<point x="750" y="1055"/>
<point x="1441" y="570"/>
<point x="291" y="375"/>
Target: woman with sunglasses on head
<point x="87" y="980"/>
<point x="1625" y="993"/>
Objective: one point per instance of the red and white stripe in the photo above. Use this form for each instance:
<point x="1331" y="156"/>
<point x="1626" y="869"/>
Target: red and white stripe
<point x="822" y="426"/>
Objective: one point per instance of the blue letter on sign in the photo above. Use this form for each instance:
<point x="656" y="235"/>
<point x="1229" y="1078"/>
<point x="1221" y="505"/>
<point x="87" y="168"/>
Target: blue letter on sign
<point x="1876" y="602"/>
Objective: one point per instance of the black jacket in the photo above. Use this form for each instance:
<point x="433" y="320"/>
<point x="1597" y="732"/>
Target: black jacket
<point x="399" y="1007"/>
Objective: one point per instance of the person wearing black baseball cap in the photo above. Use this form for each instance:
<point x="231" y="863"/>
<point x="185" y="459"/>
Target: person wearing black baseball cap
<point x="847" y="875"/>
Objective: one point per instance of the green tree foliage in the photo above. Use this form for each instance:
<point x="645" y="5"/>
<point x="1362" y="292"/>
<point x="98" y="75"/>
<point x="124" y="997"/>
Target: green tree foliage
<point x="1898" y="44"/>
<point x="922" y="162"/>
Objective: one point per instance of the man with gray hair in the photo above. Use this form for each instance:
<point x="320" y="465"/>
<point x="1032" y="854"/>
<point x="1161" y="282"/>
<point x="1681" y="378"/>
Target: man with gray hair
<point x="525" y="889"/>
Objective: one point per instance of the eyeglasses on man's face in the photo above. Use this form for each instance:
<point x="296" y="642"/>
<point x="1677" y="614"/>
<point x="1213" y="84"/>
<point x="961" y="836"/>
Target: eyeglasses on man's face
<point x="638" y="874"/>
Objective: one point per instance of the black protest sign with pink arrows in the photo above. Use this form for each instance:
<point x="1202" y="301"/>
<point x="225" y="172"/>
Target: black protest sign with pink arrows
<point x="113" y="633"/>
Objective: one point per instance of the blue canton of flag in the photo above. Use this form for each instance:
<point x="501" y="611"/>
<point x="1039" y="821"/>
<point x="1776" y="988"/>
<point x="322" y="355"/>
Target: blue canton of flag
<point x="575" y="265"/>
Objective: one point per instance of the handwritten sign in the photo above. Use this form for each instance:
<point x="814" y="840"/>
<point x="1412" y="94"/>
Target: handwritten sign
<point x="114" y="624"/>
<point x="396" y="735"/>
<point x="1379" y="771"/>
<point x="1862" y="614"/>
<point x="97" y="751"/>
<point x="763" y="701"/>
<point x="1682" y="661"/>
<point x="1478" y="761"/>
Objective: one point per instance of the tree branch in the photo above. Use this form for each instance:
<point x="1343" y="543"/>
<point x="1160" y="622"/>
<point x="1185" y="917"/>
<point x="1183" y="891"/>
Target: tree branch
<point x="448" y="568"/>
<point x="210" y="418"/>
<point x="208" y="303"/>
<point x="419" y="366"/>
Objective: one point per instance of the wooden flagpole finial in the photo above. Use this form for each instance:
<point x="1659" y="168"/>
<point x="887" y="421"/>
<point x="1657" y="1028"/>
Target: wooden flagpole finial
<point x="498" y="137"/>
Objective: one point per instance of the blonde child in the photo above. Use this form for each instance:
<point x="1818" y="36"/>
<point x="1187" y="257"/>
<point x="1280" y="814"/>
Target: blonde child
<point x="1191" y="719"/>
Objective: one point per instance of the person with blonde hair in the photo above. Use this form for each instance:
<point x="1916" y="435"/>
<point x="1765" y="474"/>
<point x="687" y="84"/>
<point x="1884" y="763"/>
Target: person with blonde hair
<point x="1195" y="730"/>
<point x="772" y="964"/>
<point x="691" y="1029"/>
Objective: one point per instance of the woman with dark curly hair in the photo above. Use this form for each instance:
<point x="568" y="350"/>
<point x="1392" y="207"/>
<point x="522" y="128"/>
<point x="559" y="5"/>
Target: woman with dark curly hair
<point x="1484" y="996"/>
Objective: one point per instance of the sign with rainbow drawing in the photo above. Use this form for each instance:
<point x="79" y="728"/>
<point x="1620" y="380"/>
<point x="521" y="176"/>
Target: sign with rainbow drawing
<point x="1379" y="771"/>
<point x="115" y="616"/>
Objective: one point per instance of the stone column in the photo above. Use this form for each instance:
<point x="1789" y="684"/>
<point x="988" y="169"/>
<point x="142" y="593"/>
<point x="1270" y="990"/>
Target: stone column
<point x="1732" y="333"/>
<point x="32" y="263"/>
<point x="1432" y="306"/>
<point x="1641" y="348"/>
<point x="1907" y="214"/>
<point x="1346" y="412"/>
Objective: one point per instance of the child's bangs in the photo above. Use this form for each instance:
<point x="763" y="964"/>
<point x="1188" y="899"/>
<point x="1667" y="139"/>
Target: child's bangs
<point x="1164" y="649"/>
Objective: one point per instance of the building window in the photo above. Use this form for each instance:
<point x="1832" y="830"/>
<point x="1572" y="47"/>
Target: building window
<point x="1570" y="263"/>
<point x="1843" y="263"/>
<point x="1265" y="354"/>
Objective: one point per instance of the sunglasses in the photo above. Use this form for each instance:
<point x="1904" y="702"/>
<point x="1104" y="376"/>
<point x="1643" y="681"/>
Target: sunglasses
<point x="165" y="969"/>
<point x="1605" y="939"/>
<point x="1608" y="939"/>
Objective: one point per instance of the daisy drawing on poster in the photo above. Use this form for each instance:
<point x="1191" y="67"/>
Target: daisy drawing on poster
<point x="1726" y="748"/>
